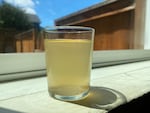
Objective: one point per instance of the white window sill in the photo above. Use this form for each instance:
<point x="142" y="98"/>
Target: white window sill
<point x="128" y="81"/>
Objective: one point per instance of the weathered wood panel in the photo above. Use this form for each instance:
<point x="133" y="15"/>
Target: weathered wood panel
<point x="25" y="42"/>
<point x="113" y="32"/>
<point x="7" y="40"/>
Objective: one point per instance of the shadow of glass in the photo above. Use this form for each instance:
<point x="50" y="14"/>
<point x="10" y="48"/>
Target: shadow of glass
<point x="5" y="110"/>
<point x="102" y="98"/>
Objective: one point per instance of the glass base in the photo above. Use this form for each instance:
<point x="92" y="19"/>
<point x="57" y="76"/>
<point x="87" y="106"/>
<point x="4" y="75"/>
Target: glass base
<point x="70" y="98"/>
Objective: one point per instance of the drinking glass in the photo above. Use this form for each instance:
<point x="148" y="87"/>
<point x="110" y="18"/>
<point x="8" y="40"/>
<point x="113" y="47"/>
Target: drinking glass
<point x="68" y="52"/>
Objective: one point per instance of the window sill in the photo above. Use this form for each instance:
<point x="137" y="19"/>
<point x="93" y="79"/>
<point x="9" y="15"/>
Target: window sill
<point x="129" y="81"/>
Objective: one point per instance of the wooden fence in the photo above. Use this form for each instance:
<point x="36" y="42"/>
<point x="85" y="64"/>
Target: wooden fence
<point x="113" y="22"/>
<point x="29" y="41"/>
<point x="7" y="42"/>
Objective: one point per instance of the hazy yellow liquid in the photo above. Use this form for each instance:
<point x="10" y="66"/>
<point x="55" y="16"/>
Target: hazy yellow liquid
<point x="68" y="66"/>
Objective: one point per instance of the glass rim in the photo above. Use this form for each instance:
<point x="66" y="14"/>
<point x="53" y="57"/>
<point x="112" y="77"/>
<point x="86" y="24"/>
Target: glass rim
<point x="68" y="29"/>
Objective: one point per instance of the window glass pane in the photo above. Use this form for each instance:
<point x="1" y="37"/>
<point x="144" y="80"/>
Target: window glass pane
<point x="119" y="24"/>
<point x="122" y="31"/>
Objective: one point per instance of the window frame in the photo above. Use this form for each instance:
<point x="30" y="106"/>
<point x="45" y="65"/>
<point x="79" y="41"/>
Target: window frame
<point x="29" y="65"/>
<point x="26" y="65"/>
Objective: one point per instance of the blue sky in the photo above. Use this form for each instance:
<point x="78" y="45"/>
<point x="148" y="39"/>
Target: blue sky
<point x="49" y="10"/>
